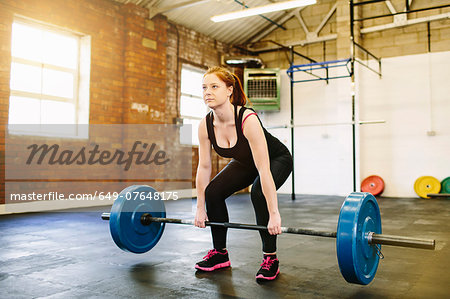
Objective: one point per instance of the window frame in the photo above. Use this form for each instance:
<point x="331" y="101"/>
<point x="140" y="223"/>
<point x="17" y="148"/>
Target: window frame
<point x="199" y="69"/>
<point x="81" y="78"/>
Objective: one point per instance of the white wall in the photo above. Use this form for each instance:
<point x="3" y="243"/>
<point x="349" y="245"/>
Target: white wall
<point x="413" y="97"/>
<point x="323" y="154"/>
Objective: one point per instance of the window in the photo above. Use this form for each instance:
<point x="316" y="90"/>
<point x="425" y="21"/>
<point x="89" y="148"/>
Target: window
<point x="192" y="108"/>
<point x="49" y="82"/>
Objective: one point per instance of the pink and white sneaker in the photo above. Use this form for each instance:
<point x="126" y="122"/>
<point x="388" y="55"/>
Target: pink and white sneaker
<point x="269" y="269"/>
<point x="214" y="260"/>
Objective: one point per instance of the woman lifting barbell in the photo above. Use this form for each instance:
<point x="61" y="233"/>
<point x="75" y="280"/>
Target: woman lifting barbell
<point x="259" y="158"/>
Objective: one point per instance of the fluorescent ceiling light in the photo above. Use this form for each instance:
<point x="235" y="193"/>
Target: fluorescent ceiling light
<point x="261" y="10"/>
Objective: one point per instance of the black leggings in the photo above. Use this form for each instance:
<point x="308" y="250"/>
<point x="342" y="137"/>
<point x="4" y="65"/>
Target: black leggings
<point x="234" y="177"/>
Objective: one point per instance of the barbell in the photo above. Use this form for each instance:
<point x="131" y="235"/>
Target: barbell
<point x="138" y="217"/>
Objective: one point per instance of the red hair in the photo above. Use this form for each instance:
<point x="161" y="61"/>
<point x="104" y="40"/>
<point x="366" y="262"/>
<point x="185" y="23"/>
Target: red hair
<point x="238" y="96"/>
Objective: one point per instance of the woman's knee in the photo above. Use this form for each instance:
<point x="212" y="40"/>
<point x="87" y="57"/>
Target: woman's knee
<point x="214" y="193"/>
<point x="212" y="189"/>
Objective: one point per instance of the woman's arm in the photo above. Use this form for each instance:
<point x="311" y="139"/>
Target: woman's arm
<point x="203" y="173"/>
<point x="255" y="135"/>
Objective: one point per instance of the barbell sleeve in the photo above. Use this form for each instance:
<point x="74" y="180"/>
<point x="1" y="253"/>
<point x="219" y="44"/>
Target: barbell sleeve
<point x="372" y="238"/>
<point x="401" y="241"/>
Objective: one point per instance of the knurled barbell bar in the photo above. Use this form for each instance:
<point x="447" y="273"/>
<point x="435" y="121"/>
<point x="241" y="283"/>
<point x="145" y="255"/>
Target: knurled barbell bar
<point x="137" y="221"/>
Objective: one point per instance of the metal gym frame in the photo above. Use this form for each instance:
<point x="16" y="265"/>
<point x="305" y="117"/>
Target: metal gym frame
<point x="355" y="45"/>
<point x="349" y="64"/>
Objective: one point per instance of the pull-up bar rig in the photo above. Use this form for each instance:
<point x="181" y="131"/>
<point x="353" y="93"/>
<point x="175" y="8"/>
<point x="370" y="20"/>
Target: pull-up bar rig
<point x="349" y="65"/>
<point x="308" y="68"/>
<point x="325" y="65"/>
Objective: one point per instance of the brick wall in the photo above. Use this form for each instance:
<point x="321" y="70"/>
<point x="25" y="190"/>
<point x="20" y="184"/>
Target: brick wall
<point x="100" y="19"/>
<point x="103" y="21"/>
<point x="145" y="65"/>
<point x="134" y="60"/>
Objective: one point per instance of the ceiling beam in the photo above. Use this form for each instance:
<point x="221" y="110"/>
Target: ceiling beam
<point x="326" y="19"/>
<point x="302" y="43"/>
<point x="405" y="23"/>
<point x="271" y="28"/>
<point x="390" y="6"/>
<point x="153" y="11"/>
<point x="311" y="37"/>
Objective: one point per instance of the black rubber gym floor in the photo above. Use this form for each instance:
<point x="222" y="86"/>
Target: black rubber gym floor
<point x="71" y="255"/>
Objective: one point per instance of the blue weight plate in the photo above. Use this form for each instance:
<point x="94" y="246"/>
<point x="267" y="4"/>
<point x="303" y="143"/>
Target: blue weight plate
<point x="125" y="224"/>
<point x="358" y="260"/>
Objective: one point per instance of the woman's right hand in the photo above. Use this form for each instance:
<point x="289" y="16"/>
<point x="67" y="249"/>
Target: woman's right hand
<point x="200" y="218"/>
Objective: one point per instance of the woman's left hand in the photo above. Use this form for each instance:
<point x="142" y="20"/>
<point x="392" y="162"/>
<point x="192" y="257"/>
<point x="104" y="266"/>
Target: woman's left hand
<point x="274" y="225"/>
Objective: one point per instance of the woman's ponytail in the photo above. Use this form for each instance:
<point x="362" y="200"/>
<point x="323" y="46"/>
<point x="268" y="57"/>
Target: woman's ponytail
<point x="238" y="97"/>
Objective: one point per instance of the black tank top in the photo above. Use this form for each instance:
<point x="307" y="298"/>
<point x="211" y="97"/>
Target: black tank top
<point x="241" y="150"/>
